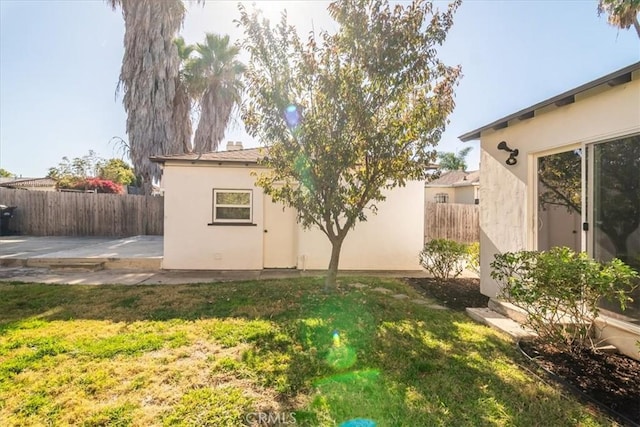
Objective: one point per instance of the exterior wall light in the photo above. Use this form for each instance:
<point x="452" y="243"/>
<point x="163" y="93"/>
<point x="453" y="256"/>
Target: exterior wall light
<point x="513" y="153"/>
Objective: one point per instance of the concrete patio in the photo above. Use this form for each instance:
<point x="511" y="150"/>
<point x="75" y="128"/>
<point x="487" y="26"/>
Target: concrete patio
<point x="127" y="261"/>
<point x="97" y="253"/>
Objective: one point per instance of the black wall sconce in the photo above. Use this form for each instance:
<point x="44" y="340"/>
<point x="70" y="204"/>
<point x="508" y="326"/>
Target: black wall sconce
<point x="512" y="153"/>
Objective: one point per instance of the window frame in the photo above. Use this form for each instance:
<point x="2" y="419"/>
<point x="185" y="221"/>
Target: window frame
<point x="441" y="198"/>
<point x="232" y="221"/>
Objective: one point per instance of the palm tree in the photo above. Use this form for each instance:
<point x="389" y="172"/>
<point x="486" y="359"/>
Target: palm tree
<point x="453" y="161"/>
<point x="214" y="74"/>
<point x="621" y="13"/>
<point x="148" y="77"/>
<point x="182" y="102"/>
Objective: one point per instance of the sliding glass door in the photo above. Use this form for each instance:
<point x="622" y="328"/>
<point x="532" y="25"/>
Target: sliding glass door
<point x="613" y="207"/>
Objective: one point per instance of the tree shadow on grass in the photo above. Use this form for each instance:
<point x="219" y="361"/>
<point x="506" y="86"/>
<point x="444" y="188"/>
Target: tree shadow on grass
<point x="394" y="362"/>
<point x="434" y="368"/>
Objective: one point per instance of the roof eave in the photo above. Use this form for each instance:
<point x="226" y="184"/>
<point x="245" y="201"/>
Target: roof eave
<point x="193" y="161"/>
<point x="565" y="98"/>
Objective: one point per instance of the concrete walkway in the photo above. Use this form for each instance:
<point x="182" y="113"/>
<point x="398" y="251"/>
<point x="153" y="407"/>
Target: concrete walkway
<point x="137" y="252"/>
<point x="128" y="261"/>
<point x="131" y="260"/>
<point x="80" y="276"/>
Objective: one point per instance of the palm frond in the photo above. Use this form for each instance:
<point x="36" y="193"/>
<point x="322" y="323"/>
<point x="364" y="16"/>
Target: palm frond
<point x="215" y="73"/>
<point x="149" y="76"/>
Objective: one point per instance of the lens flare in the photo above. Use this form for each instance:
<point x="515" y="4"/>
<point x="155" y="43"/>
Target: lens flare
<point x="336" y="338"/>
<point x="292" y="116"/>
<point x="340" y="356"/>
<point x="358" y="422"/>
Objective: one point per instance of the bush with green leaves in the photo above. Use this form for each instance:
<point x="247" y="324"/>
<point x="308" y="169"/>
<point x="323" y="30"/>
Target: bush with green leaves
<point x="473" y="254"/>
<point x="560" y="290"/>
<point x="443" y="258"/>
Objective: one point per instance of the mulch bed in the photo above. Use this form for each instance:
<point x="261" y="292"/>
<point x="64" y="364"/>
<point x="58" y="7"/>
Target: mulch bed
<point x="456" y="294"/>
<point x="611" y="380"/>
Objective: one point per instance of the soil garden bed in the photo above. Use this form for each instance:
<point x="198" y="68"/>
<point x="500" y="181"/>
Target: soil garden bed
<point x="456" y="294"/>
<point x="612" y="381"/>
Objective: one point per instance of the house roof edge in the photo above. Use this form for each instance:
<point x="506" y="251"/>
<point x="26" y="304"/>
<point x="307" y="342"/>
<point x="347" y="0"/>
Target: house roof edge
<point x="613" y="79"/>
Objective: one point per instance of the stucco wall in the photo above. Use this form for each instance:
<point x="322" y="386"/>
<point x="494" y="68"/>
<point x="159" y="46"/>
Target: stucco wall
<point x="507" y="215"/>
<point x="466" y="195"/>
<point x="189" y="243"/>
<point x="430" y="193"/>
<point x="389" y="240"/>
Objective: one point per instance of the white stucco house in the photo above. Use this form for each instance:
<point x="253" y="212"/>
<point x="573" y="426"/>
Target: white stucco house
<point x="596" y="127"/>
<point x="216" y="218"/>
<point x="454" y="187"/>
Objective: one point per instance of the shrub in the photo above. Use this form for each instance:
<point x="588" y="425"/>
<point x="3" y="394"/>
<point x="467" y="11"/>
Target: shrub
<point x="560" y="289"/>
<point x="443" y="258"/>
<point x="99" y="185"/>
<point x="473" y="253"/>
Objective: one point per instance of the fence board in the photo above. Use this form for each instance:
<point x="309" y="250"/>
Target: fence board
<point x="454" y="221"/>
<point x="49" y="213"/>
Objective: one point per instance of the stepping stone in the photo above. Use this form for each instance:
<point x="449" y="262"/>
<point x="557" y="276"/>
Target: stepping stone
<point x="437" y="307"/>
<point x="358" y="285"/>
<point x="501" y="323"/>
<point x="382" y="290"/>
<point x="420" y="301"/>
<point x="400" y="296"/>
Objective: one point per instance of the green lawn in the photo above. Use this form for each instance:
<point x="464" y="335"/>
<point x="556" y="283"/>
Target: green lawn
<point x="221" y="354"/>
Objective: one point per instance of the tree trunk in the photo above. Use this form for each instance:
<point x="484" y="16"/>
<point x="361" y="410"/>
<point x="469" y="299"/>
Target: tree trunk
<point x="332" y="272"/>
<point x="147" y="185"/>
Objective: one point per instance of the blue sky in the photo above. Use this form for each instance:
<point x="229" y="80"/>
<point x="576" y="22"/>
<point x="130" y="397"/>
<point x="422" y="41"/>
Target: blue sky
<point x="60" y="61"/>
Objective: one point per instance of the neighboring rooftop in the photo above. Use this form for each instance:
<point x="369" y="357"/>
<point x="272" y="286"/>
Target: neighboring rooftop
<point x="456" y="179"/>
<point x="27" y="182"/>
<point x="616" y="78"/>
<point x="248" y="155"/>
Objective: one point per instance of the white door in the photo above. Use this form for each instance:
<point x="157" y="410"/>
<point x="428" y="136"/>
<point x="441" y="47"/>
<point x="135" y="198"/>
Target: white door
<point x="279" y="235"/>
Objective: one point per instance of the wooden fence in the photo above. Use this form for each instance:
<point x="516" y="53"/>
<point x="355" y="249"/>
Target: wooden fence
<point x="452" y="221"/>
<point x="50" y="213"/>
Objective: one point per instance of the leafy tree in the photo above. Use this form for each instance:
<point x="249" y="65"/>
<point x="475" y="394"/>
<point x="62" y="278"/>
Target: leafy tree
<point x="453" y="161"/>
<point x="5" y="173"/>
<point x="347" y="115"/>
<point x="118" y="171"/>
<point x="79" y="167"/>
<point x="78" y="173"/>
<point x="148" y="77"/>
<point x="621" y="13"/>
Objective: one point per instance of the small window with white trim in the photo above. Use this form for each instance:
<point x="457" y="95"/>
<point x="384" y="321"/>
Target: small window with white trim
<point x="441" y="198"/>
<point x="232" y="206"/>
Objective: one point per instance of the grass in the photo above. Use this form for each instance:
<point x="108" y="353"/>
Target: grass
<point x="230" y="354"/>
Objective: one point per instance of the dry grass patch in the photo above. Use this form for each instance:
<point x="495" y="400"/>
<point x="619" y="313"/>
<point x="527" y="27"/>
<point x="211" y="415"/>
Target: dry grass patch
<point x="211" y="354"/>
